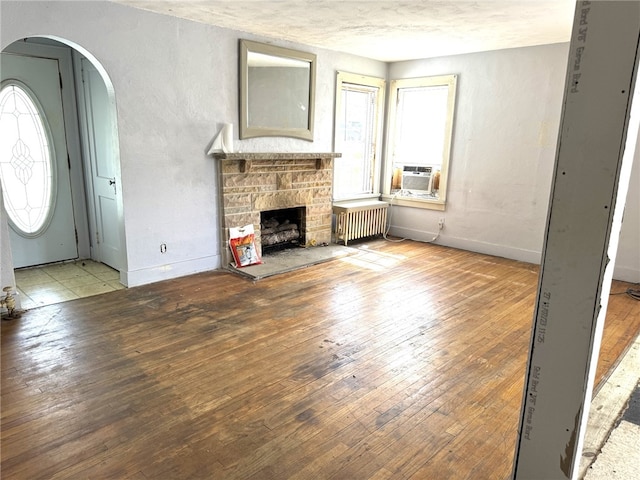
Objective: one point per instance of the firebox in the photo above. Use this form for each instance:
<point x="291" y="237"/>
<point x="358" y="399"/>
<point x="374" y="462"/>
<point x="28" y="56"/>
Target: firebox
<point x="283" y="228"/>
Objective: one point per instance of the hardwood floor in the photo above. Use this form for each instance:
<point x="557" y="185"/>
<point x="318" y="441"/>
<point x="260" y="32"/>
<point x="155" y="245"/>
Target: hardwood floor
<point x="403" y="361"/>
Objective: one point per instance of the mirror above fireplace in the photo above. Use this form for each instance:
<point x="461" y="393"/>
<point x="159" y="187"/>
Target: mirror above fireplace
<point x="277" y="91"/>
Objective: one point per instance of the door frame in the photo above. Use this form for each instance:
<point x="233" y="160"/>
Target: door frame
<point x="64" y="50"/>
<point x="70" y="119"/>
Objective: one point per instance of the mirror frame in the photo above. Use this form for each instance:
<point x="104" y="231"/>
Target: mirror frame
<point x="250" y="131"/>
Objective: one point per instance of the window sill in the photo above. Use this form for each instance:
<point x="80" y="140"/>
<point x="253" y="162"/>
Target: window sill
<point x="396" y="200"/>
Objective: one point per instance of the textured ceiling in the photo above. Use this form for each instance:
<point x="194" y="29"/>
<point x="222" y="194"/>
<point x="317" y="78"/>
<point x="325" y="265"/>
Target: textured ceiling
<point x="387" y="30"/>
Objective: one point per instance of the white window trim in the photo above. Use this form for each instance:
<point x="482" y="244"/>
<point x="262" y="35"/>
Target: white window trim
<point x="367" y="81"/>
<point x="397" y="199"/>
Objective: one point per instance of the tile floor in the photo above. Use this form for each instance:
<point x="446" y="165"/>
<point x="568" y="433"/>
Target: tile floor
<point x="60" y="282"/>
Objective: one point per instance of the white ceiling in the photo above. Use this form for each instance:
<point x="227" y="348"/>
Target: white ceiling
<point x="387" y="30"/>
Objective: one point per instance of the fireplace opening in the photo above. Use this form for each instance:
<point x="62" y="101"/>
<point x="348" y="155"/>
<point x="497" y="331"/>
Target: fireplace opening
<point x="280" y="229"/>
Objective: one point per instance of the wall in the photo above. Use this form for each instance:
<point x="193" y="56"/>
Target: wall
<point x="628" y="256"/>
<point x="504" y="143"/>
<point x="176" y="83"/>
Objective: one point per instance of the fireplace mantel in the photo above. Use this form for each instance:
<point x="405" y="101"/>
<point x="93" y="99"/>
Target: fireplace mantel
<point x="245" y="159"/>
<point x="254" y="182"/>
<point x="273" y="155"/>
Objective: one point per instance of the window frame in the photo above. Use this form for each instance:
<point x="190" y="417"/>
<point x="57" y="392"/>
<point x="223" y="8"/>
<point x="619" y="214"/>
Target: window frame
<point x="432" y="81"/>
<point x="378" y="133"/>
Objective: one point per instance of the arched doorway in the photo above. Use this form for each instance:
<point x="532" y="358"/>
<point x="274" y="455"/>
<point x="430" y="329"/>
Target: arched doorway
<point x="61" y="159"/>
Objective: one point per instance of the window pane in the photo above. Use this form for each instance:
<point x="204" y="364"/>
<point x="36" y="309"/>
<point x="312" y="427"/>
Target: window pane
<point x="25" y="160"/>
<point x="421" y="121"/>
<point x="354" y="171"/>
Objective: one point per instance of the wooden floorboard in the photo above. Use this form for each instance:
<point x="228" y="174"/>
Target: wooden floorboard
<point x="401" y="361"/>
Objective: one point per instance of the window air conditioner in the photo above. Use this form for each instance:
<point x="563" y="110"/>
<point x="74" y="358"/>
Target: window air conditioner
<point x="417" y="180"/>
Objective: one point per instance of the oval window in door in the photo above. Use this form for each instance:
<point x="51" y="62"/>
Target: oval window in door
<point x="26" y="160"/>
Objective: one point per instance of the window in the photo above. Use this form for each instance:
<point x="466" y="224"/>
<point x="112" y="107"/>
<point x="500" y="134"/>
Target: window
<point x="359" y="106"/>
<point x="420" y="126"/>
<point x="26" y="160"/>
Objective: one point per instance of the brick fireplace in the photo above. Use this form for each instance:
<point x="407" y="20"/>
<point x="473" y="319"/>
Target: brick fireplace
<point x="251" y="183"/>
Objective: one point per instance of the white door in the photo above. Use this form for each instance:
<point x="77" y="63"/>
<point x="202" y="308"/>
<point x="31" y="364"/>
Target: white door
<point x="100" y="150"/>
<point x="34" y="163"/>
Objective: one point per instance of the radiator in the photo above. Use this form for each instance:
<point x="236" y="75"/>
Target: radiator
<point x="359" y="219"/>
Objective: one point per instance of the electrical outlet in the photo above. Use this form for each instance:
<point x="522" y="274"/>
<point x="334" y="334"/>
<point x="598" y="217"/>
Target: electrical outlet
<point x="163" y="248"/>
<point x="441" y="223"/>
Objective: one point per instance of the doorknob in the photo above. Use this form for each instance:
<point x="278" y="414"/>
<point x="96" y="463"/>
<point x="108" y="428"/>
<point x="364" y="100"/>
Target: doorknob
<point x="112" y="182"/>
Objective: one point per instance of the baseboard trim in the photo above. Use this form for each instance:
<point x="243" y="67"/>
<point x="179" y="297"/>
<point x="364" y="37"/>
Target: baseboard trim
<point x="622" y="273"/>
<point x="626" y="274"/>
<point x="133" y="278"/>
<point x="529" y="256"/>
